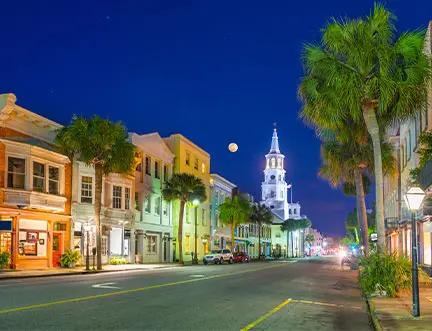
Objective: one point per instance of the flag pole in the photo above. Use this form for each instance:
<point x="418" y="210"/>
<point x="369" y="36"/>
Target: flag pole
<point x="291" y="192"/>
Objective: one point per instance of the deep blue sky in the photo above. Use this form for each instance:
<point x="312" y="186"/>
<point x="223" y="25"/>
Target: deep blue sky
<point x="215" y="71"/>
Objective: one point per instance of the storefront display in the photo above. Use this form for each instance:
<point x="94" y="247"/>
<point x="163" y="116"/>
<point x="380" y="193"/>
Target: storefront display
<point x="33" y="238"/>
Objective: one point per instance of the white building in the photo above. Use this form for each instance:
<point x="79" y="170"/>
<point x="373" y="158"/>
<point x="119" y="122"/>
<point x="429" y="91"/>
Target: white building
<point x="275" y="196"/>
<point x="116" y="213"/>
<point x="153" y="215"/>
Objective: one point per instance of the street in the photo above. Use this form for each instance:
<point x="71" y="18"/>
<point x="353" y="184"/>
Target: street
<point x="310" y="294"/>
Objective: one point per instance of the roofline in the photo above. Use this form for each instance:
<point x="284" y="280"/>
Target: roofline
<point x="182" y="137"/>
<point x="139" y="136"/>
<point x="226" y="181"/>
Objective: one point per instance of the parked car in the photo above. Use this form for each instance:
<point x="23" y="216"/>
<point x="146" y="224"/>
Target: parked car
<point x="240" y="257"/>
<point x="218" y="256"/>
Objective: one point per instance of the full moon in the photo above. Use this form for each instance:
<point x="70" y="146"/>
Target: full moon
<point x="233" y="147"/>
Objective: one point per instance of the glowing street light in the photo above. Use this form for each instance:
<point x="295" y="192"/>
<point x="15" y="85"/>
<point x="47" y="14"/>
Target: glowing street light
<point x="414" y="198"/>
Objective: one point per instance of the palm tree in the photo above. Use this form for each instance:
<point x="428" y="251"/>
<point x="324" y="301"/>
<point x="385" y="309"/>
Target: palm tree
<point x="290" y="225"/>
<point x="303" y="224"/>
<point x="261" y="215"/>
<point x="186" y="188"/>
<point x="360" y="71"/>
<point x="104" y="145"/>
<point x="234" y="211"/>
<point x="310" y="239"/>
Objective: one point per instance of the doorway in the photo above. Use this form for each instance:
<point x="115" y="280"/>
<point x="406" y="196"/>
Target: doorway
<point x="57" y="249"/>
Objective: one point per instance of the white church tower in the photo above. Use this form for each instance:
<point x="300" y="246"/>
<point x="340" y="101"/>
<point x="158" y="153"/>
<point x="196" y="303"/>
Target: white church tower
<point x="274" y="187"/>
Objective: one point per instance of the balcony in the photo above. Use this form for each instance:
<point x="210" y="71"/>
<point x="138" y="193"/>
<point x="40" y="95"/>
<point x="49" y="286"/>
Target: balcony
<point x="425" y="176"/>
<point x="33" y="199"/>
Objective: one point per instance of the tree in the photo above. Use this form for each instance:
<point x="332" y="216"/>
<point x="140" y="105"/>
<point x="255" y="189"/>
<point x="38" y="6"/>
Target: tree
<point x="186" y="188"/>
<point x="291" y="225"/>
<point x="310" y="239"/>
<point x="103" y="145"/>
<point x="261" y="215"/>
<point x="233" y="212"/>
<point x="360" y="71"/>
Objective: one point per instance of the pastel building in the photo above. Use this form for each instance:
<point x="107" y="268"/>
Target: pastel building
<point x="220" y="189"/>
<point x="35" y="189"/>
<point x="153" y="215"/>
<point x="192" y="159"/>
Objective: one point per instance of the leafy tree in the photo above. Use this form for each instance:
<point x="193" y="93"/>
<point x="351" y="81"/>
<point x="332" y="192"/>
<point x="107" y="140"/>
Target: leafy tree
<point x="104" y="145"/>
<point x="234" y="212"/>
<point x="310" y="239"/>
<point x="185" y="188"/>
<point x="360" y="71"/>
<point x="261" y="215"/>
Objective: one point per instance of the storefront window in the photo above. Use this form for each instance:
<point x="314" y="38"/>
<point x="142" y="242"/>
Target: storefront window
<point x="151" y="244"/>
<point x="5" y="242"/>
<point x="33" y="238"/>
<point x="16" y="173"/>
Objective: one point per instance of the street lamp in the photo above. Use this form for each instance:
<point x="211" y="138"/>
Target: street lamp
<point x="87" y="228"/>
<point x="413" y="198"/>
<point x="195" y="202"/>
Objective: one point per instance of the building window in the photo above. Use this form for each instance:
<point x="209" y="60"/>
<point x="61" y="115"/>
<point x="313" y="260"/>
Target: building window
<point x="203" y="167"/>
<point x="272" y="194"/>
<point x="187" y="214"/>
<point x="38" y="177"/>
<point x="147" y="206"/>
<point x="127" y="198"/>
<point x="148" y="165"/>
<point x="138" y="167"/>
<point x="295" y="211"/>
<point x="86" y="189"/>
<point x="279" y="163"/>
<point x="187" y="159"/>
<point x="281" y="193"/>
<point x="156" y="169"/>
<point x="53" y="180"/>
<point x="16" y="173"/>
<point x="157" y="206"/>
<point x="117" y="197"/>
<point x="187" y="243"/>
<point x="151" y="244"/>
<point x="273" y="163"/>
<point x="203" y="217"/>
<point x="137" y="201"/>
<point x="165" y="174"/>
<point x="290" y="211"/>
<point x="165" y="208"/>
<point x="196" y="164"/>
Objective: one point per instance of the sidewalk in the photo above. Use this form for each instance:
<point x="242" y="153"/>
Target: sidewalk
<point x="396" y="313"/>
<point x="47" y="272"/>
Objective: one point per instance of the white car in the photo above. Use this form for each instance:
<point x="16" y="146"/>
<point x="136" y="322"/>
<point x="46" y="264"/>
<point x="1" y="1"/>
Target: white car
<point x="218" y="256"/>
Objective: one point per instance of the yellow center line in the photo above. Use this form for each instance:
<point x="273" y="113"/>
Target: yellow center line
<point x="97" y="296"/>
<point x="262" y="318"/>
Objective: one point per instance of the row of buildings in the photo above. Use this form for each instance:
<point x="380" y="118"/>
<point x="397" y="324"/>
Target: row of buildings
<point x="47" y="200"/>
<point x="405" y="139"/>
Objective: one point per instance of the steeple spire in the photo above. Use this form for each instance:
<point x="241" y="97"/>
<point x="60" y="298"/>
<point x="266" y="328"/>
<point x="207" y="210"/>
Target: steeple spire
<point x="275" y="143"/>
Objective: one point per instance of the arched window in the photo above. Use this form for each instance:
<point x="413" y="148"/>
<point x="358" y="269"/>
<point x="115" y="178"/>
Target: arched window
<point x="268" y="163"/>
<point x="273" y="162"/>
<point x="279" y="163"/>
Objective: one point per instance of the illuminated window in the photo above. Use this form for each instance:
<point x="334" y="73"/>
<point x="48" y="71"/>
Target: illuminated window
<point x="86" y="189"/>
<point x="273" y="163"/>
<point x="279" y="163"/>
<point x="117" y="197"/>
<point x="38" y="177"/>
<point x="151" y="244"/>
<point x="53" y="180"/>
<point x="203" y="167"/>
<point x="268" y="163"/>
<point x="127" y="197"/>
<point x="147" y="204"/>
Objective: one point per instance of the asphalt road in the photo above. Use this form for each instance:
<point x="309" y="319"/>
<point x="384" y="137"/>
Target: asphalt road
<point x="312" y="294"/>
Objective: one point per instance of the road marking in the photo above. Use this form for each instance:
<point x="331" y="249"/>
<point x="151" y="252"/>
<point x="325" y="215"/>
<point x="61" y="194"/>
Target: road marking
<point x="263" y="317"/>
<point x="140" y="289"/>
<point x="105" y="285"/>
<point x="197" y="276"/>
<point x="317" y="303"/>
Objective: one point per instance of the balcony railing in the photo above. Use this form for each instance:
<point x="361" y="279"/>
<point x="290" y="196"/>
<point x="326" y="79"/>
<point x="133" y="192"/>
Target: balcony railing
<point x="32" y="199"/>
<point x="425" y="176"/>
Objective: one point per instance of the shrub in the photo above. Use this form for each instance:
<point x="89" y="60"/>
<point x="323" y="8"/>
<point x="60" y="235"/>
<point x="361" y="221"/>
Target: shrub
<point x="387" y="274"/>
<point x="4" y="259"/>
<point x="117" y="260"/>
<point x="70" y="258"/>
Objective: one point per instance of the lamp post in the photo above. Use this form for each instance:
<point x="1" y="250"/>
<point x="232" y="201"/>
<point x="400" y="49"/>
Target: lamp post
<point x="195" y="258"/>
<point x="87" y="230"/>
<point x="413" y="198"/>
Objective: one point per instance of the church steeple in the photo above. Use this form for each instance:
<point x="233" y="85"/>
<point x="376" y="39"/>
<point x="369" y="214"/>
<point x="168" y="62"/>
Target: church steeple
<point x="274" y="149"/>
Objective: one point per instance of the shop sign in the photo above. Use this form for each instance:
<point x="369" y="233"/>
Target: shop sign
<point x="127" y="233"/>
<point x="5" y="225"/>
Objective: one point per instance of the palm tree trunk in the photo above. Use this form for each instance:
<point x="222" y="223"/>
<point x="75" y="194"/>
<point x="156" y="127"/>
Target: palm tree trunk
<point x="373" y="129"/>
<point x="97" y="210"/>
<point x="361" y="210"/>
<point x="259" y="241"/>
<point x="180" y="231"/>
<point x="232" y="236"/>
<point x="292" y="244"/>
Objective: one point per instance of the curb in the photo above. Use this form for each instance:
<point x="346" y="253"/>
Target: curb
<point x="373" y="319"/>
<point x="83" y="272"/>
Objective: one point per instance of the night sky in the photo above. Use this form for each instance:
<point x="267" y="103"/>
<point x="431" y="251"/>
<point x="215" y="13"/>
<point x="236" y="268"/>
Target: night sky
<point x="215" y="71"/>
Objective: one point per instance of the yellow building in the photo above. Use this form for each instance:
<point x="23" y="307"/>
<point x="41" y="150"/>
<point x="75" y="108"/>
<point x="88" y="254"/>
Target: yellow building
<point x="190" y="158"/>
